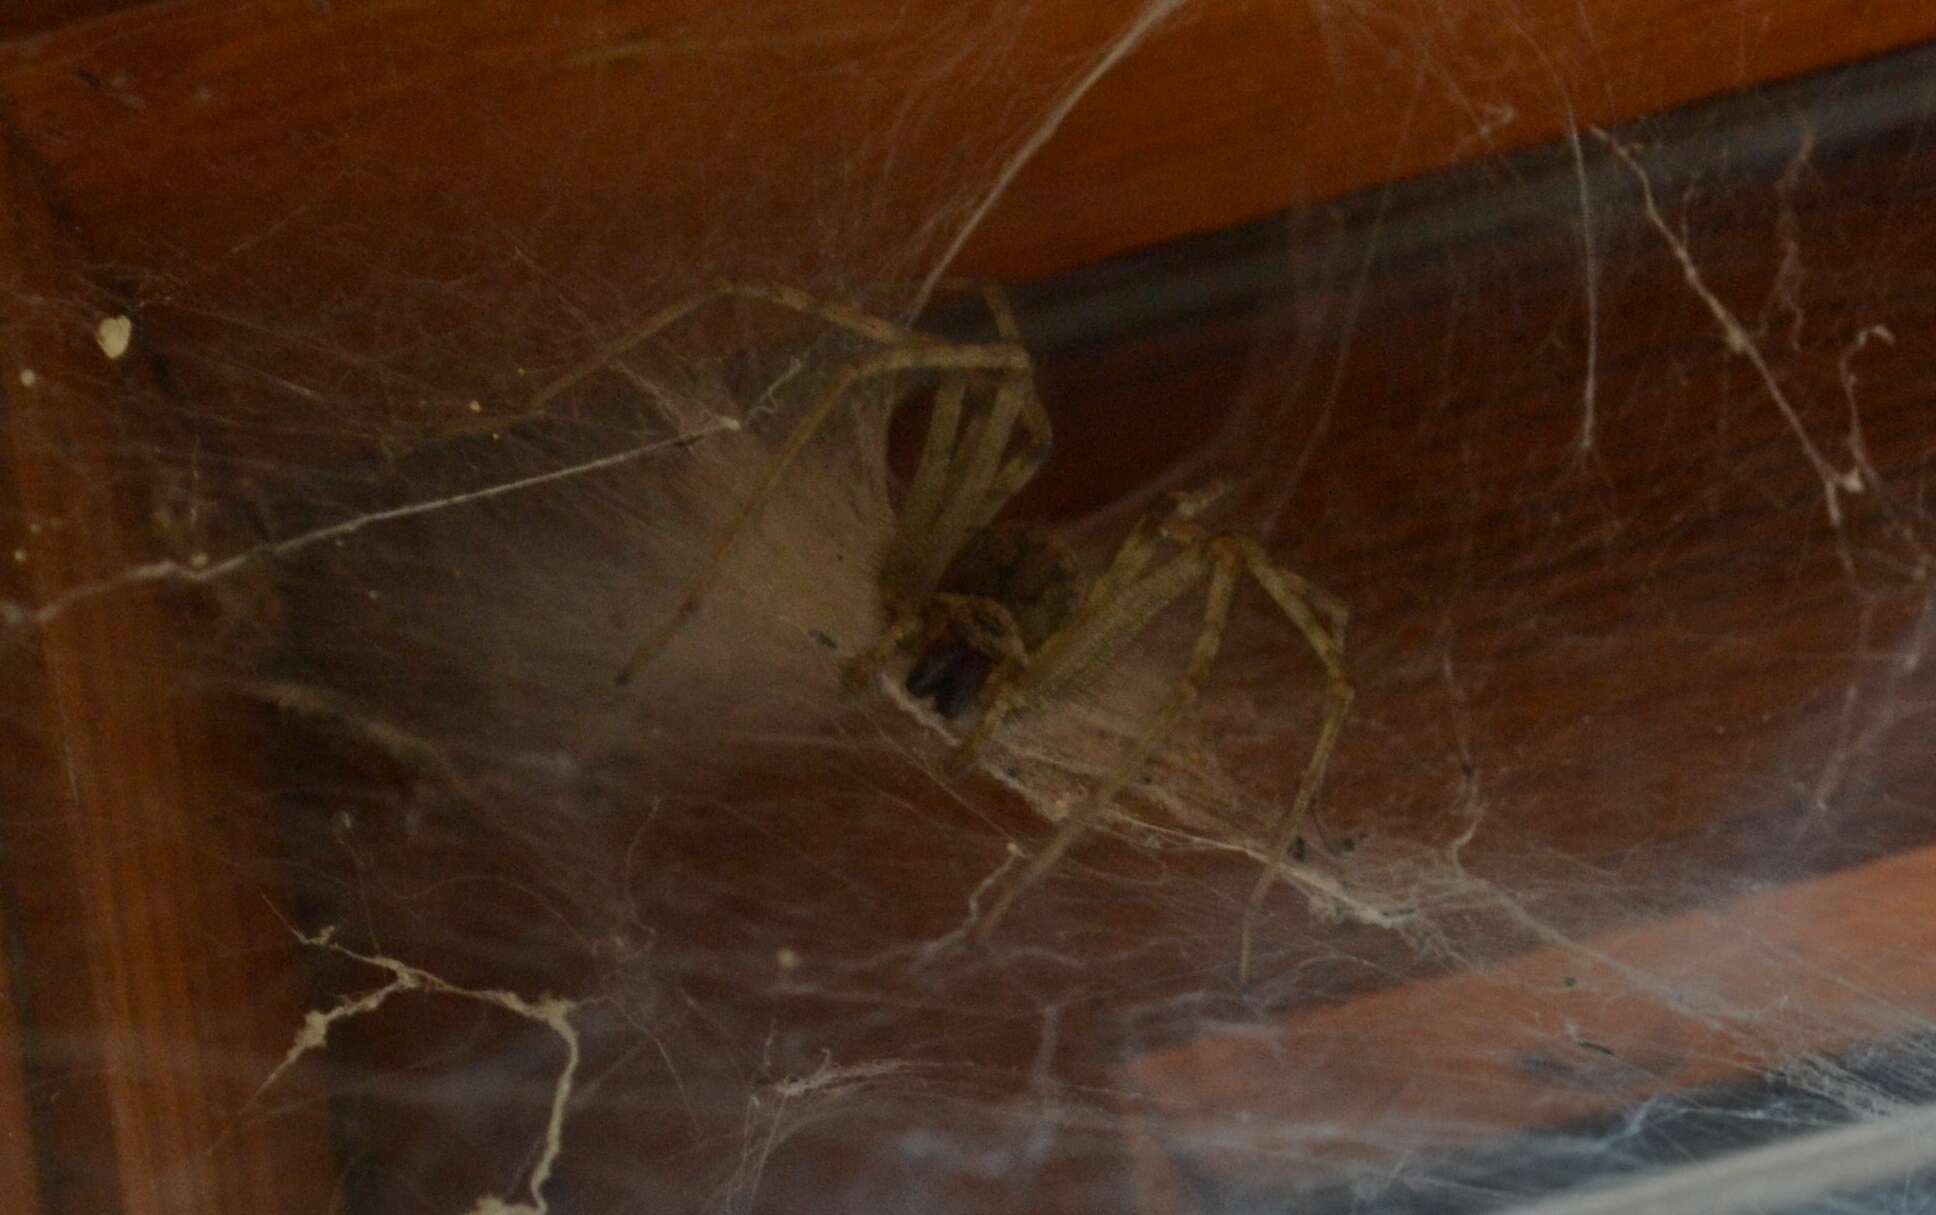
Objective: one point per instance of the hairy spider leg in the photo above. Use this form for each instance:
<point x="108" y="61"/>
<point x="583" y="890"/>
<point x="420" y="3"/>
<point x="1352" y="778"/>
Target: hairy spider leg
<point x="1020" y="468"/>
<point x="905" y="353"/>
<point x="929" y="486"/>
<point x="921" y="356"/>
<point x="792" y="299"/>
<point x="1120" y="605"/>
<point x="961" y="482"/>
<point x="958" y="487"/>
<point x="1295" y="596"/>
<point x="1138" y="548"/>
<point x="952" y="498"/>
<point x="1118" y="620"/>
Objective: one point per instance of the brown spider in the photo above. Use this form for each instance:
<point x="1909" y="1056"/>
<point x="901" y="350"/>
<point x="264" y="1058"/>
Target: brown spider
<point x="998" y="618"/>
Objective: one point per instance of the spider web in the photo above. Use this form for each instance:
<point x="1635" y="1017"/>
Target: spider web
<point x="1616" y="448"/>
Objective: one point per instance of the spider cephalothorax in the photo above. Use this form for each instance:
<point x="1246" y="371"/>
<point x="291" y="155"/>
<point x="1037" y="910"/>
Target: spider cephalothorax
<point x="1010" y="589"/>
<point x="996" y="617"/>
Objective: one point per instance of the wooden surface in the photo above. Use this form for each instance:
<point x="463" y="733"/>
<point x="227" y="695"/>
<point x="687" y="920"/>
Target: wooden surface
<point x="148" y="982"/>
<point x="1662" y="659"/>
<point x="1227" y="111"/>
<point x="1613" y="680"/>
<point x="334" y="168"/>
<point x="283" y="195"/>
<point x="1546" y="1039"/>
<point x="19" y="1171"/>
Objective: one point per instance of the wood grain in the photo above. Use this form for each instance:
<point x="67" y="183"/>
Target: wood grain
<point x="154" y="992"/>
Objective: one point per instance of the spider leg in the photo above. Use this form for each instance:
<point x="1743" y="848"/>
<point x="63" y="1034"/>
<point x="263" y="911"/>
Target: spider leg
<point x="980" y="480"/>
<point x="1019" y="468"/>
<point x="925" y="491"/>
<point x="863" y="667"/>
<point x="780" y="295"/>
<point x="1138" y="548"/>
<point x="950" y="499"/>
<point x="924" y="356"/>
<point x="1024" y="464"/>
<point x="1122" y="600"/>
<point x="963" y="480"/>
<point x="1297" y="588"/>
<point x="1113" y="624"/>
<point x="1297" y="597"/>
<point x="901" y="566"/>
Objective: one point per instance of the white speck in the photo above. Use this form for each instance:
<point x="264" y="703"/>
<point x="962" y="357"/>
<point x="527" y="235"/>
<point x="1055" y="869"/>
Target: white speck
<point x="20" y="556"/>
<point x="787" y="959"/>
<point x="27" y="377"/>
<point x="476" y="407"/>
<point x="112" y="335"/>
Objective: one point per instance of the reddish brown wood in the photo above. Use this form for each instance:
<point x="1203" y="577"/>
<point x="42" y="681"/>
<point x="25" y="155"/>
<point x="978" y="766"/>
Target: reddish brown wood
<point x="1556" y="1034"/>
<point x="19" y="1171"/>
<point x="30" y="17"/>
<point x="1225" y="113"/>
<point x="334" y="167"/>
<point x="155" y="992"/>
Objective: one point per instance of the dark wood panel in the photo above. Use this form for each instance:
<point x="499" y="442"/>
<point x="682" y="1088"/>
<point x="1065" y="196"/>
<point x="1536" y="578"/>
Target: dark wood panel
<point x="19" y="1171"/>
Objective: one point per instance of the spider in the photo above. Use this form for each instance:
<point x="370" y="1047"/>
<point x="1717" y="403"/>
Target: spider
<point x="995" y="619"/>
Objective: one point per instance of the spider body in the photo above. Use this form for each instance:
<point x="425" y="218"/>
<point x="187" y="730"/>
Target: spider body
<point x="997" y="619"/>
<point x="1012" y="587"/>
